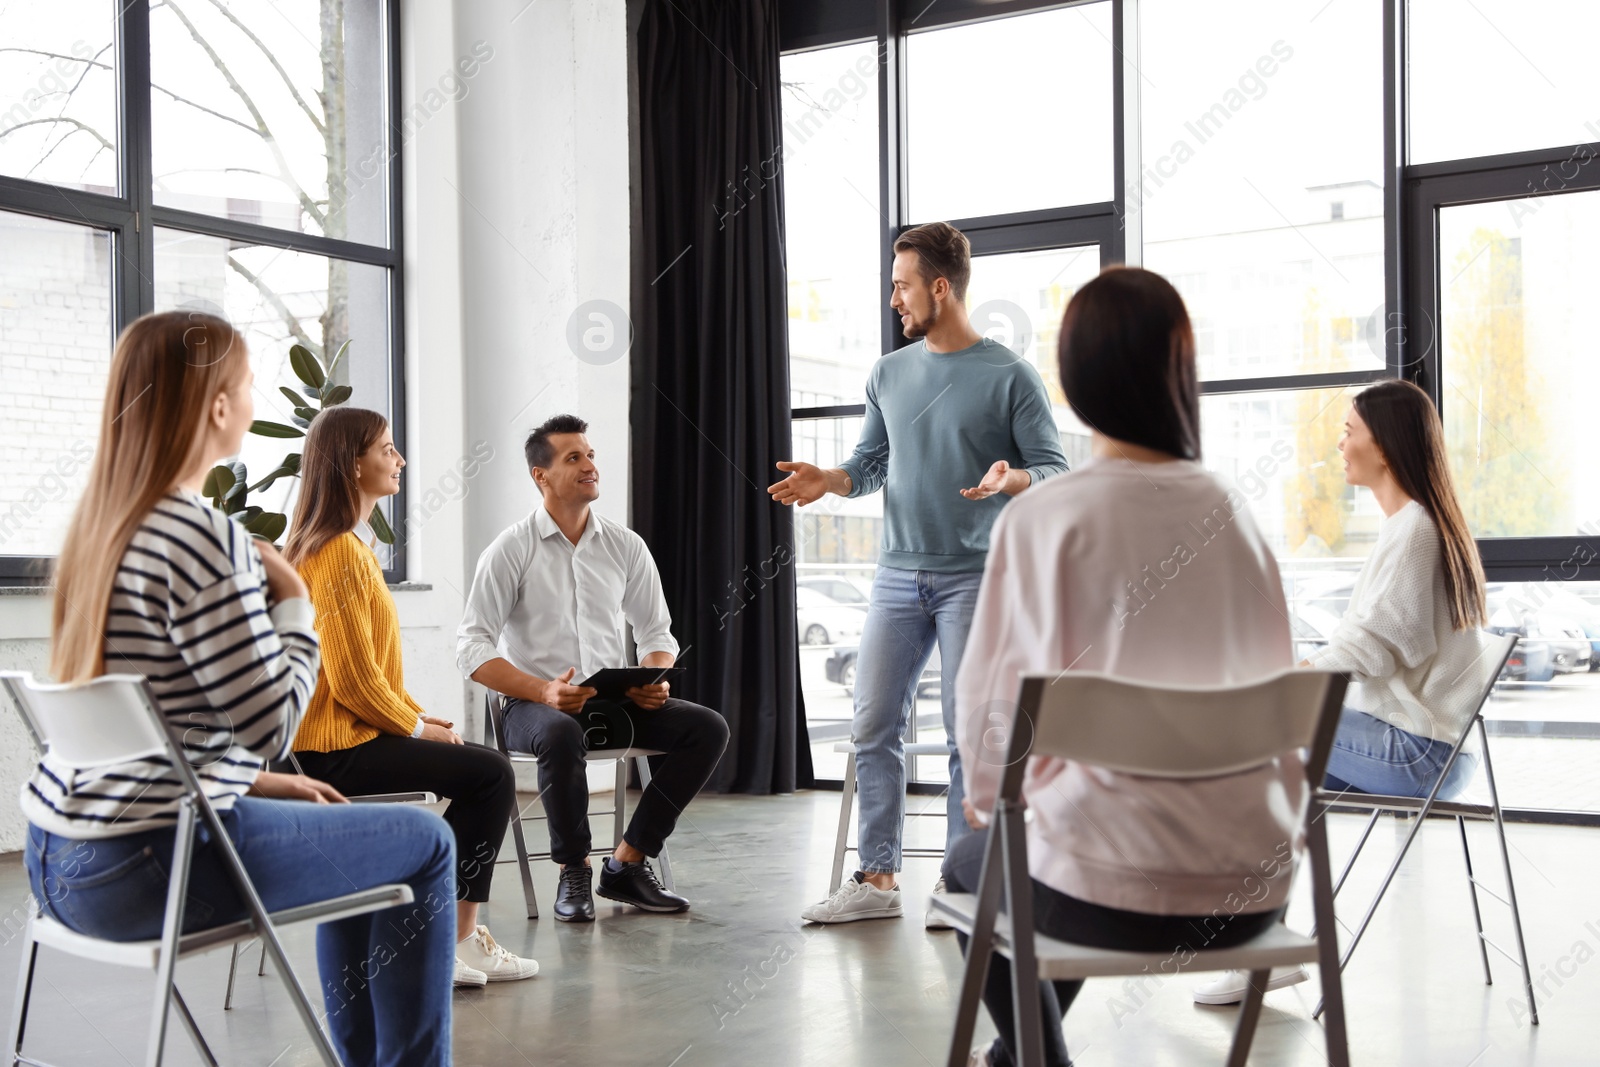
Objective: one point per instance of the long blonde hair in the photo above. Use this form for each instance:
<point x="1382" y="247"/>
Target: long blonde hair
<point x="166" y="371"/>
<point x="330" y="501"/>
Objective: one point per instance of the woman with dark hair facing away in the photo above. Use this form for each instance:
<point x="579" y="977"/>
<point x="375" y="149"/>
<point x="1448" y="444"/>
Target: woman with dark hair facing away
<point x="1411" y="639"/>
<point x="1195" y="599"/>
<point x="363" y="733"/>
<point x="152" y="581"/>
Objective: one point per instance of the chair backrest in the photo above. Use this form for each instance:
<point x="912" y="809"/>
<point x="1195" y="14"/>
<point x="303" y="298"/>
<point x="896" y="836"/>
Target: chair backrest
<point x="111" y="719"/>
<point x="1170" y="731"/>
<point x="1484" y="671"/>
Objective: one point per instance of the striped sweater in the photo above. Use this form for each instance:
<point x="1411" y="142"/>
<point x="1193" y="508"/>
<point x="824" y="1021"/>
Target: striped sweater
<point x="189" y="612"/>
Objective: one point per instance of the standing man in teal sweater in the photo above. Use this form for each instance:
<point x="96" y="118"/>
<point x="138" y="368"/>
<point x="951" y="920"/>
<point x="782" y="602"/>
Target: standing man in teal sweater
<point x="954" y="424"/>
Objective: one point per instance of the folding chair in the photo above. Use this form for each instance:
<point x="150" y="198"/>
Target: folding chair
<point x="841" y="842"/>
<point x="1153" y="731"/>
<point x="494" y="733"/>
<point x="115" y="719"/>
<point x="1490" y="662"/>
<point x="239" y="948"/>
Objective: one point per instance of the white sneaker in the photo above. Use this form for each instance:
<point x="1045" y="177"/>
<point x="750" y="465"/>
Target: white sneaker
<point x="469" y="977"/>
<point x="978" y="1057"/>
<point x="481" y="953"/>
<point x="1229" y="987"/>
<point x="935" y="919"/>
<point x="856" y="899"/>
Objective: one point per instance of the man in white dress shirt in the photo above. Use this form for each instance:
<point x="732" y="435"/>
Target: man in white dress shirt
<point x="549" y="604"/>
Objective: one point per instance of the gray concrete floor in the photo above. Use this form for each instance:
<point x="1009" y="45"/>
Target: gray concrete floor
<point x="738" y="980"/>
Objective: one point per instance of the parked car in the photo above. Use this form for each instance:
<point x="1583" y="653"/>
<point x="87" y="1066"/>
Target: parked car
<point x="837" y="589"/>
<point x="1533" y="659"/>
<point x="823" y="621"/>
<point x="1573" y="615"/>
<point x="841" y="668"/>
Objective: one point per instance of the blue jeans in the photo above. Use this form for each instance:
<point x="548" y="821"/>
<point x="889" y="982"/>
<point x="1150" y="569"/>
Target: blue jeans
<point x="910" y="610"/>
<point x="1371" y="756"/>
<point x="386" y="976"/>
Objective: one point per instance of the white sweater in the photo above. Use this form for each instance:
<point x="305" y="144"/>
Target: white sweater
<point x="1153" y="572"/>
<point x="1407" y="665"/>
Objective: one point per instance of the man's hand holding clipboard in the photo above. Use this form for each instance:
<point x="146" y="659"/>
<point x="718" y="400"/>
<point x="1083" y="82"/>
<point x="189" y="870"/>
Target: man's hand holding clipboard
<point x="647" y="687"/>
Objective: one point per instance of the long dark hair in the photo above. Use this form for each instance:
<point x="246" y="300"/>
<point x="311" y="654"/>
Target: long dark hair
<point x="1405" y="426"/>
<point x="1127" y="361"/>
<point x="330" y="500"/>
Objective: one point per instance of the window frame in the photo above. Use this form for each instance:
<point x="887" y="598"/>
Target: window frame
<point x="132" y="218"/>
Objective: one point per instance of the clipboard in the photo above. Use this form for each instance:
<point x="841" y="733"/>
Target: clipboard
<point x="613" y="683"/>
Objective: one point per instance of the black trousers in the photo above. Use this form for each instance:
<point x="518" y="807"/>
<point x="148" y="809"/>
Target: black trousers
<point x="1070" y="919"/>
<point x="692" y="737"/>
<point x="479" y="782"/>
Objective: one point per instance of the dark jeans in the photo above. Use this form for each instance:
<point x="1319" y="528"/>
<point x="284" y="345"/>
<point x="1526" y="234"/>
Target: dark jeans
<point x="479" y="782"/>
<point x="385" y="975"/>
<point x="1069" y="919"/>
<point x="692" y="737"/>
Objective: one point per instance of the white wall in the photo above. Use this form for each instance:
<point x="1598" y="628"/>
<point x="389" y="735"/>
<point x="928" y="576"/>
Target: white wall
<point x="516" y="212"/>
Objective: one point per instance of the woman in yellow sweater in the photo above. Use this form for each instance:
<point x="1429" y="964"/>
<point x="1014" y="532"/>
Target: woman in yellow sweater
<point x="363" y="733"/>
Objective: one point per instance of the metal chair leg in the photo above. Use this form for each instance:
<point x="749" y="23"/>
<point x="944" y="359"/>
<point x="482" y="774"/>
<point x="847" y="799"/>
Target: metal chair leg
<point x="528" y="896"/>
<point x="980" y="949"/>
<point x="261" y="967"/>
<point x="171" y="931"/>
<point x="193" y="1028"/>
<point x="1338" y="1045"/>
<point x="19" y="1007"/>
<point x="1477" y="913"/>
<point x="1244" y="1033"/>
<point x="1505" y="864"/>
<point x="1356" y="853"/>
<point x="233" y="971"/>
<point x="643" y="763"/>
<point x="847" y="801"/>
<point x="619" y="805"/>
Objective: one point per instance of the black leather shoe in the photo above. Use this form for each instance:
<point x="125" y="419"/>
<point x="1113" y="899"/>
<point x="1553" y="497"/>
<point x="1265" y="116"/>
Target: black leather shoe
<point x="636" y="884"/>
<point x="574" y="904"/>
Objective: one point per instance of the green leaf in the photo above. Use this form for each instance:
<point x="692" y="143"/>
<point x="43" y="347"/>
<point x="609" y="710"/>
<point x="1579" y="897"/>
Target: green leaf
<point x="274" y="429"/>
<point x="306" y="413"/>
<point x="337" y="356"/>
<point x="269" y="524"/>
<point x="305" y="366"/>
<point x="249" y="513"/>
<point x="241" y="482"/>
<point x="380" y="526"/>
<point x="304" y="424"/>
<point x="287" y="469"/>
<point x="337" y="394"/>
<point x="294" y="397"/>
<point x="310" y="390"/>
<point x="218" y="482"/>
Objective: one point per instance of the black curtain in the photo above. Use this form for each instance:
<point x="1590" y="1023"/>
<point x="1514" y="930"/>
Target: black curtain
<point x="710" y="369"/>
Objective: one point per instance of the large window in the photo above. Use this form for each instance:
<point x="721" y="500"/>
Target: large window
<point x="233" y="159"/>
<point x="1342" y="193"/>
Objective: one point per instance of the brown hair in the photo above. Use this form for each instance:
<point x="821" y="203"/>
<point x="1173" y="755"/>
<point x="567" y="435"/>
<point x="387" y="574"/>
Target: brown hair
<point x="330" y="501"/>
<point x="1405" y="426"/>
<point x="1126" y="357"/>
<point x="942" y="252"/>
<point x="166" y="371"/>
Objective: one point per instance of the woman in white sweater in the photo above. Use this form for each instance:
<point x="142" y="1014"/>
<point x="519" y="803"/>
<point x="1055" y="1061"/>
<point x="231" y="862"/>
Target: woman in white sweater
<point x="1139" y="563"/>
<point x="1411" y="639"/>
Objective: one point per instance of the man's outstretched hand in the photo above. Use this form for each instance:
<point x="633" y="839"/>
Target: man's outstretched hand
<point x="806" y="483"/>
<point x="993" y="482"/>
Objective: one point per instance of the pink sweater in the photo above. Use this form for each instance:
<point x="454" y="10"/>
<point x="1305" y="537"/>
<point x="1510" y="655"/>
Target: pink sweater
<point x="1144" y="571"/>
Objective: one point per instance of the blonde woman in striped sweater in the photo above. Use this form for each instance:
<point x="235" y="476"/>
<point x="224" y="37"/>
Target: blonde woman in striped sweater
<point x="363" y="733"/>
<point x="152" y="581"/>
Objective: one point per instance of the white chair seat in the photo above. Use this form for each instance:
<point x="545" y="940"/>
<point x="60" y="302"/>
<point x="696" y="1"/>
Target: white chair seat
<point x="1277" y="947"/>
<point x="145" y="955"/>
<point x="914" y="748"/>
<point x="593" y="755"/>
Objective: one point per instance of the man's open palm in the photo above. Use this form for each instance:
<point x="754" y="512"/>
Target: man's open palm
<point x="806" y="483"/>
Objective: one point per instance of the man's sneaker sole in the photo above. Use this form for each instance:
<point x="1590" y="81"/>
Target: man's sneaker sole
<point x="658" y="909"/>
<point x="1237" y="996"/>
<point x="856" y="916"/>
<point x="935" y="920"/>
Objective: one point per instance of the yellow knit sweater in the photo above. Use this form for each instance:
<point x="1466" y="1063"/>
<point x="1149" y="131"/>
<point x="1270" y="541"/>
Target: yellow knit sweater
<point x="360" y="693"/>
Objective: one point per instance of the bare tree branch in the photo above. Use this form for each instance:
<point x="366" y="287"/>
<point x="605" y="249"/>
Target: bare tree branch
<point x="85" y="127"/>
<point x="271" y="296"/>
<point x="284" y="173"/>
<point x="265" y="51"/>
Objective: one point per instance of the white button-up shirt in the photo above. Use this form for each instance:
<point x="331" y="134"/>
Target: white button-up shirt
<point x="545" y="604"/>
